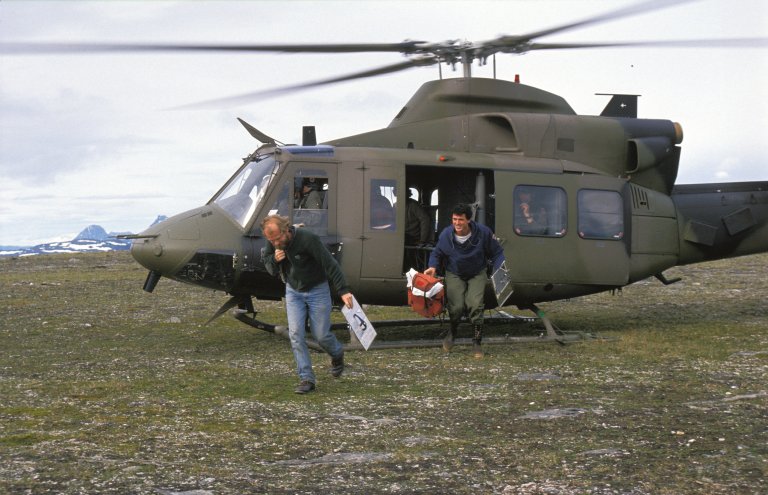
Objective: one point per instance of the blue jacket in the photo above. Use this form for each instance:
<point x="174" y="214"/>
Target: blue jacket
<point x="468" y="259"/>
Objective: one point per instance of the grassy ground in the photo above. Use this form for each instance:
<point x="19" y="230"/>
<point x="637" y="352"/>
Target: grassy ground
<point x="107" y="389"/>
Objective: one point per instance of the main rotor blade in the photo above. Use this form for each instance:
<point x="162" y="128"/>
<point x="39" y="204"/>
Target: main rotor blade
<point x="710" y="43"/>
<point x="632" y="10"/>
<point x="247" y="97"/>
<point x="33" y="48"/>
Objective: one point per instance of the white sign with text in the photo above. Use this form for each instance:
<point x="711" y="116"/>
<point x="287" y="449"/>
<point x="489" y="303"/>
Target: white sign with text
<point x="359" y="323"/>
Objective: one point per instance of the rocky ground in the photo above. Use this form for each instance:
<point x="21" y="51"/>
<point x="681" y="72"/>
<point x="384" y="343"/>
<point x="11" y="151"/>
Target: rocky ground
<point x="107" y="389"/>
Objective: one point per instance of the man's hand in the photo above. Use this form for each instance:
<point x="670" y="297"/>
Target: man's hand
<point x="430" y="271"/>
<point x="279" y="255"/>
<point x="347" y="298"/>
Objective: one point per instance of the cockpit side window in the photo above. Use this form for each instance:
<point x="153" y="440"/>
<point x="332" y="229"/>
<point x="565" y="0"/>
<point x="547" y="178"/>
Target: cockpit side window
<point x="311" y="190"/>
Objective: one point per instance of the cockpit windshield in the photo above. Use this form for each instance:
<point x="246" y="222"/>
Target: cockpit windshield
<point x="246" y="189"/>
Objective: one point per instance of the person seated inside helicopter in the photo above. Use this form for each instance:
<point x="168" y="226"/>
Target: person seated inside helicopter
<point x="418" y="234"/>
<point x="417" y="227"/>
<point x="309" y="196"/>
<point x="530" y="217"/>
<point x="309" y="208"/>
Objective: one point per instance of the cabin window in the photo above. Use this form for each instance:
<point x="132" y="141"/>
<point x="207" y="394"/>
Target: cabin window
<point x="382" y="204"/>
<point x="540" y="211"/>
<point x="601" y="214"/>
<point x="434" y="204"/>
<point x="311" y="191"/>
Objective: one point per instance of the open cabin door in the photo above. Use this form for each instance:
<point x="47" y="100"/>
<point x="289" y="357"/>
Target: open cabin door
<point x="562" y="229"/>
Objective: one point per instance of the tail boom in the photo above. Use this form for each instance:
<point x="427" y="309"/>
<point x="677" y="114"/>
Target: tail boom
<point x="721" y="220"/>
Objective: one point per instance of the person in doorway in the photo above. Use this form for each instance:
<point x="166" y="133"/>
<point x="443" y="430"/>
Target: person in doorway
<point x="465" y="248"/>
<point x="418" y="234"/>
<point x="417" y="228"/>
<point x="301" y="260"/>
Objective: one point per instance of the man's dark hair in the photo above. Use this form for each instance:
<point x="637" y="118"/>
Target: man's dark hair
<point x="462" y="209"/>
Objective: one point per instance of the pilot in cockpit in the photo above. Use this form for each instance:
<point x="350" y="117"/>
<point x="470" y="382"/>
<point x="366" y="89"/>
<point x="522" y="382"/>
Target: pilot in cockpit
<point x="309" y="196"/>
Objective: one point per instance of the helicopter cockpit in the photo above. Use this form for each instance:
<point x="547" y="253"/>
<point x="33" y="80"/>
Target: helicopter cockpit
<point x="241" y="196"/>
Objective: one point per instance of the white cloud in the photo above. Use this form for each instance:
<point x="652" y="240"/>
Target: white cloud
<point x="84" y="138"/>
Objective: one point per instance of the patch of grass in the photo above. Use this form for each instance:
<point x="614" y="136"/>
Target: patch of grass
<point x="22" y="439"/>
<point x="107" y="389"/>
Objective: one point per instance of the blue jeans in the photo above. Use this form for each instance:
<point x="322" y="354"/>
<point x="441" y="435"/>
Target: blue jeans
<point x="316" y="302"/>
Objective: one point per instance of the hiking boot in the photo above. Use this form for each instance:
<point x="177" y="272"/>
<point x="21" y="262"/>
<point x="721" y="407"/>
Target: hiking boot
<point x="304" y="387"/>
<point x="478" y="337"/>
<point x="449" y="336"/>
<point x="477" y="351"/>
<point x="337" y="366"/>
<point x="448" y="342"/>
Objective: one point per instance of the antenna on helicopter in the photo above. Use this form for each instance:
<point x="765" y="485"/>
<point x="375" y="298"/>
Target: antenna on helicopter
<point x="308" y="136"/>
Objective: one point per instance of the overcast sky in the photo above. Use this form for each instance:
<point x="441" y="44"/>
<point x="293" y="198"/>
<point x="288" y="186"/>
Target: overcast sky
<point x="88" y="139"/>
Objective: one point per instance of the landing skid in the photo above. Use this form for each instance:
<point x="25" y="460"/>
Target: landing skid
<point x="551" y="334"/>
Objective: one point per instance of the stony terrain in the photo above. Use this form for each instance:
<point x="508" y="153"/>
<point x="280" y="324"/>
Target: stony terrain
<point x="107" y="389"/>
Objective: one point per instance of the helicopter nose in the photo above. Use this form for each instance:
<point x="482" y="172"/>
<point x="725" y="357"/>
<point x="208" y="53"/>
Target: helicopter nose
<point x="165" y="247"/>
<point x="148" y="252"/>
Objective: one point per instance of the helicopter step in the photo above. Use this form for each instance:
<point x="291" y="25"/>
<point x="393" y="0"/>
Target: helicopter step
<point x="507" y="339"/>
<point x="551" y="334"/>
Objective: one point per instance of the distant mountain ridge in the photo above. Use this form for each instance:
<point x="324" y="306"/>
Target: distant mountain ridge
<point x="91" y="239"/>
<point x="92" y="233"/>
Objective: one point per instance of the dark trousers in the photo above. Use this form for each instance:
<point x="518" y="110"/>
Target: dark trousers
<point x="465" y="296"/>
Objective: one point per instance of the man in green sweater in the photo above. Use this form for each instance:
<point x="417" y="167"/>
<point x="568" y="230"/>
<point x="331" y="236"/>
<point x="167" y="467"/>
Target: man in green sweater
<point x="301" y="260"/>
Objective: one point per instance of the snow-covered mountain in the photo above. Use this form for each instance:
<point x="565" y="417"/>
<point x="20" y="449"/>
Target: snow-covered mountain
<point x="91" y="239"/>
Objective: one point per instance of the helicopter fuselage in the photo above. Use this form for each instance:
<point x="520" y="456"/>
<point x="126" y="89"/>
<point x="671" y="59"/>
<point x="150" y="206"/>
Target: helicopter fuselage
<point x="606" y="210"/>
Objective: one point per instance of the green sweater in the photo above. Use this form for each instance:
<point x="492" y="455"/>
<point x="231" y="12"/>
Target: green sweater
<point x="307" y="263"/>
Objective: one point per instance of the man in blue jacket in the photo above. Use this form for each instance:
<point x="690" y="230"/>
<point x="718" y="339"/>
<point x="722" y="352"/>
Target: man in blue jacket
<point x="464" y="249"/>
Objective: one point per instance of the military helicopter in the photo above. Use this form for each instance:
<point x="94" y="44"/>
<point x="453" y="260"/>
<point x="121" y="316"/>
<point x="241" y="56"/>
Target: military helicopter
<point x="606" y="209"/>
